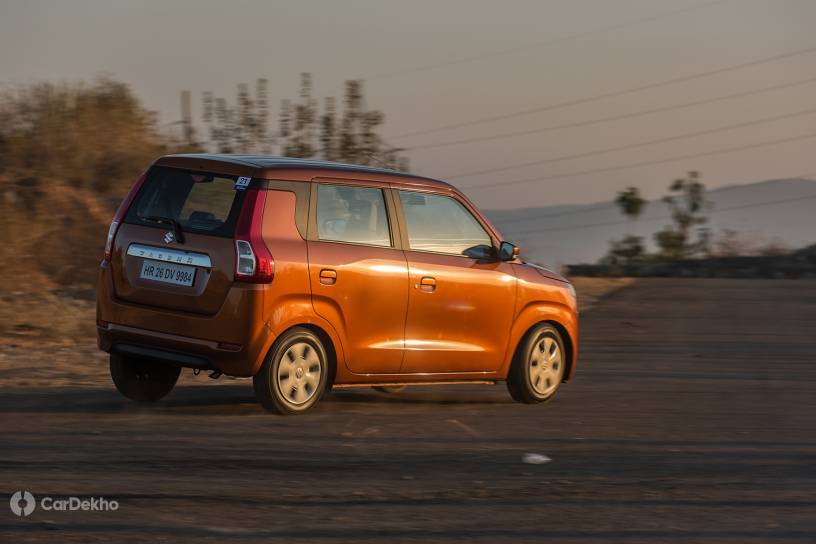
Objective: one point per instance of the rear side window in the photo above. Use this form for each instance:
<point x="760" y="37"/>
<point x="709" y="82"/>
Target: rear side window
<point x="200" y="202"/>
<point x="352" y="214"/>
<point x="441" y="224"/>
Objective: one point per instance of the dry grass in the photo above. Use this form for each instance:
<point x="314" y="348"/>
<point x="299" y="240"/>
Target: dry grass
<point x="45" y="317"/>
<point x="590" y="290"/>
<point x="53" y="236"/>
<point x="47" y="339"/>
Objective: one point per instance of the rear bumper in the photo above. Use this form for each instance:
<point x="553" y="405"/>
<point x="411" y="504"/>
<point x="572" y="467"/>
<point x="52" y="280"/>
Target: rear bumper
<point x="232" y="341"/>
<point x="170" y="357"/>
<point x="177" y="350"/>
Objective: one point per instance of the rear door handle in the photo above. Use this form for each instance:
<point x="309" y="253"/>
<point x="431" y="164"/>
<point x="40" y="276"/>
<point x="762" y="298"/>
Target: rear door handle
<point x="328" y="276"/>
<point x="427" y="284"/>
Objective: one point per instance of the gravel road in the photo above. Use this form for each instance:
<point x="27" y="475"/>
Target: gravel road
<point x="692" y="419"/>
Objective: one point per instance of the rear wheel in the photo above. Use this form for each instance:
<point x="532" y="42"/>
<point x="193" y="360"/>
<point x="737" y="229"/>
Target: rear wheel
<point x="390" y="389"/>
<point x="538" y="366"/>
<point x="294" y="375"/>
<point x="142" y="380"/>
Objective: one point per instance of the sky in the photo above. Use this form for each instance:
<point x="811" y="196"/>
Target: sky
<point x="431" y="64"/>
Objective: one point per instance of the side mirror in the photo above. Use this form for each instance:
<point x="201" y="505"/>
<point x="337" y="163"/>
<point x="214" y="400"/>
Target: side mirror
<point x="481" y="253"/>
<point x="508" y="251"/>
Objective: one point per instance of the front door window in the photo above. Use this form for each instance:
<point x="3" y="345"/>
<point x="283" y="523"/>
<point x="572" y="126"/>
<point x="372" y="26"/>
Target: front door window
<point x="441" y="224"/>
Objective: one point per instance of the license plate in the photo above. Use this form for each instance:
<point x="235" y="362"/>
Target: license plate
<point x="175" y="274"/>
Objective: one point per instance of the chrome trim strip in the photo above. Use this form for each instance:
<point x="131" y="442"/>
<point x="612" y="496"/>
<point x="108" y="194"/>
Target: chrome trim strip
<point x="169" y="255"/>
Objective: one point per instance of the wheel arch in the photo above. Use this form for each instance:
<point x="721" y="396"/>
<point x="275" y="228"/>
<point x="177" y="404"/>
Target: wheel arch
<point x="324" y="331"/>
<point x="564" y="321"/>
<point x="331" y="350"/>
<point x="565" y="337"/>
<point x="568" y="347"/>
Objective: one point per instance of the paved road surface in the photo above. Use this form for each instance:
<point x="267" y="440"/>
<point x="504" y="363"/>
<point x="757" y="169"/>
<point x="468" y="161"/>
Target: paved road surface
<point x="692" y="419"/>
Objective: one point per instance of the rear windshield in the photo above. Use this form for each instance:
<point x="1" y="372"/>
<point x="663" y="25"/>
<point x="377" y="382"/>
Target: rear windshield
<point x="200" y="202"/>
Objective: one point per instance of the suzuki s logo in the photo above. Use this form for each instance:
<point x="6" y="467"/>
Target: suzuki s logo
<point x="22" y="503"/>
<point x="169" y="237"/>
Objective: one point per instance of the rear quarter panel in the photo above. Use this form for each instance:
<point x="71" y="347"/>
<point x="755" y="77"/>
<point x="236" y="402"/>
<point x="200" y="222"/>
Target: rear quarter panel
<point x="288" y="299"/>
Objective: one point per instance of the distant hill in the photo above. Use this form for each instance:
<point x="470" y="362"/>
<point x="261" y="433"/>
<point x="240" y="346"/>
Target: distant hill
<point x="559" y="235"/>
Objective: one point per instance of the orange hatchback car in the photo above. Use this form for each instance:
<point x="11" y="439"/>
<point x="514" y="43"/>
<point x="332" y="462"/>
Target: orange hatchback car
<point x="307" y="275"/>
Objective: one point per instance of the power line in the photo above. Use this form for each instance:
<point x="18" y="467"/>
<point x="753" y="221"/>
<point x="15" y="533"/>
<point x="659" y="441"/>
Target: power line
<point x="611" y="94"/>
<point x="621" y="117"/>
<point x="668" y="217"/>
<point x="582" y="209"/>
<point x="611" y="204"/>
<point x="642" y="163"/>
<point x="636" y="145"/>
<point x="545" y="43"/>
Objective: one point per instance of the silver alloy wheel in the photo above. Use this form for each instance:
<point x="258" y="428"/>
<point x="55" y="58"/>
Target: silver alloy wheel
<point x="546" y="366"/>
<point x="299" y="373"/>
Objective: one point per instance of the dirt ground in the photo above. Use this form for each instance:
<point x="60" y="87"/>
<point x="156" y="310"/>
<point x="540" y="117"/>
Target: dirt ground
<point x="692" y="419"/>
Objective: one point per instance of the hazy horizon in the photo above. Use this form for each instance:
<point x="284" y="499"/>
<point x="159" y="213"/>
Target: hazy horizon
<point x="527" y="54"/>
<point x="769" y="213"/>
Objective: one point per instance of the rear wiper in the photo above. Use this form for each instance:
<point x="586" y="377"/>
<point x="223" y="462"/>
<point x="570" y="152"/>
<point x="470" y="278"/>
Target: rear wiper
<point x="178" y="233"/>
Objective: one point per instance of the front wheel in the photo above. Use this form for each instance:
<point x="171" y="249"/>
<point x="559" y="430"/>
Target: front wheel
<point x="538" y="366"/>
<point x="142" y="380"/>
<point x="294" y="375"/>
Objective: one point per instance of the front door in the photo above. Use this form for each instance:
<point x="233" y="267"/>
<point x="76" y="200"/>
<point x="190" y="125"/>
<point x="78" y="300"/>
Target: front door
<point x="461" y="304"/>
<point x="359" y="280"/>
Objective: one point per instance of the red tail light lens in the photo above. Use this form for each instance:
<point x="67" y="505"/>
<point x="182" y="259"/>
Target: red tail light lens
<point x="253" y="261"/>
<point x="119" y="216"/>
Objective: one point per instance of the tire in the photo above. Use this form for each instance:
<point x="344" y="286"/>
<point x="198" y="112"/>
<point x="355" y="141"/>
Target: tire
<point x="535" y="376"/>
<point x="390" y="389"/>
<point x="294" y="375"/>
<point x="142" y="380"/>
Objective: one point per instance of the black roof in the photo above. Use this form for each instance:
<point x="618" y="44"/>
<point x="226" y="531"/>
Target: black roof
<point x="273" y="161"/>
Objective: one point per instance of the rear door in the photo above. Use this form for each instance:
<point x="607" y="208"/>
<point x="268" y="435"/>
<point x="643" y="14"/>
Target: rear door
<point x="358" y="274"/>
<point x="461" y="300"/>
<point x="175" y="248"/>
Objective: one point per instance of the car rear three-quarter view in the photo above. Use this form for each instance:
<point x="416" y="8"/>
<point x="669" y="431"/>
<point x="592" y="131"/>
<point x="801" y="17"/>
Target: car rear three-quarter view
<point x="307" y="275"/>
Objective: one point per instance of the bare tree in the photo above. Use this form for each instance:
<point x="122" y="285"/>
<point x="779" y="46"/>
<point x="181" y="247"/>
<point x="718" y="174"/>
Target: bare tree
<point x="687" y="203"/>
<point x="242" y="128"/>
<point x="350" y="135"/>
<point x="301" y="120"/>
<point x="328" y="131"/>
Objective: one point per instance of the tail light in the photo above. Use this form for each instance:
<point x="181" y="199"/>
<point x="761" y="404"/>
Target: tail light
<point x="119" y="216"/>
<point x="253" y="261"/>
